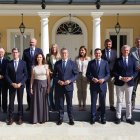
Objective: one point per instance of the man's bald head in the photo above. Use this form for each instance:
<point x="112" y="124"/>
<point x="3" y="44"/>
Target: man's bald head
<point x="2" y="52"/>
<point x="33" y="42"/>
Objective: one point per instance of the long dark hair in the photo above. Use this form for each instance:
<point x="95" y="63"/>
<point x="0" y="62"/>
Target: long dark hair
<point x="35" y="60"/>
<point x="82" y="47"/>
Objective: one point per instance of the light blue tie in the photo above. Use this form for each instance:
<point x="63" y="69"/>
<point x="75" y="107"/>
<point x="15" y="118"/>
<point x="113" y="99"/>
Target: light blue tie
<point x="107" y="52"/>
<point x="15" y="65"/>
<point x="32" y="53"/>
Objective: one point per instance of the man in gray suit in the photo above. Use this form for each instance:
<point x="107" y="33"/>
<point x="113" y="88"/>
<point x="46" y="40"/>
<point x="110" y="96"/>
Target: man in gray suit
<point x="135" y="53"/>
<point x="110" y="55"/>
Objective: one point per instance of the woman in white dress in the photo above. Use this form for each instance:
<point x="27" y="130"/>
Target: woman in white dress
<point x="82" y="62"/>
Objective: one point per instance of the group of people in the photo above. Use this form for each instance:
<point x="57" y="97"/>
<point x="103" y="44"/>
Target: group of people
<point x="50" y="80"/>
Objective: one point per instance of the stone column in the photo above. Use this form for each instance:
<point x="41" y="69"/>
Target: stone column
<point x="44" y="32"/>
<point x="96" y="37"/>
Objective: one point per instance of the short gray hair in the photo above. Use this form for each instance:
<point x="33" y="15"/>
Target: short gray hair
<point x="125" y="46"/>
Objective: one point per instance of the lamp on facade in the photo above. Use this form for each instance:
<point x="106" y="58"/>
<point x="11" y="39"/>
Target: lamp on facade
<point x="43" y="4"/>
<point x="117" y="26"/>
<point x="22" y="26"/>
<point x="69" y="24"/>
<point x="98" y="5"/>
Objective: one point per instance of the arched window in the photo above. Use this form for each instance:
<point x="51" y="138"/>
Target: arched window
<point x="69" y="28"/>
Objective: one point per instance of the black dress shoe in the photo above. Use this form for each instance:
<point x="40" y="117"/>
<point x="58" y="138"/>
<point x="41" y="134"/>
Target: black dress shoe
<point x="131" y="121"/>
<point x="60" y="122"/>
<point x="112" y="108"/>
<point x="10" y="121"/>
<point x="103" y="121"/>
<point x="71" y="122"/>
<point x="118" y="121"/>
<point x="19" y="122"/>
<point x="92" y="121"/>
<point x="27" y="109"/>
<point x="99" y="108"/>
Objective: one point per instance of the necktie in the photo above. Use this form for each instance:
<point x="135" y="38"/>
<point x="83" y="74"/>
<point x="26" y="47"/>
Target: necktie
<point x="0" y="64"/>
<point x="0" y="61"/>
<point x="107" y="54"/>
<point x="125" y="62"/>
<point x="63" y="65"/>
<point x="15" y="65"/>
<point x="139" y="52"/>
<point x="32" y="53"/>
<point x="97" y="65"/>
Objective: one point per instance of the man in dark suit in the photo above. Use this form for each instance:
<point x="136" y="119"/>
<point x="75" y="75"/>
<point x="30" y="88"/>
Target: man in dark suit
<point x="98" y="73"/>
<point x="65" y="73"/>
<point x="135" y="53"/>
<point x="28" y="57"/>
<point x="124" y="72"/>
<point x="16" y="76"/>
<point x="3" y="82"/>
<point x="110" y="55"/>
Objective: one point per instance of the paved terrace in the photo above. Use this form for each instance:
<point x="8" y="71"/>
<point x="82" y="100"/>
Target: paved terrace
<point x="82" y="130"/>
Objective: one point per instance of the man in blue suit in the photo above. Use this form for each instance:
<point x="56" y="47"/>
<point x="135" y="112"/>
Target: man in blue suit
<point x="98" y="73"/>
<point x="3" y="82"/>
<point x="110" y="55"/>
<point x="65" y="73"/>
<point x="28" y="57"/>
<point x="16" y="76"/>
<point x="124" y="72"/>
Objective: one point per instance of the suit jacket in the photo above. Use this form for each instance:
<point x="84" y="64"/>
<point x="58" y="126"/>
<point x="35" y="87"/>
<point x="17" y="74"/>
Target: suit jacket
<point x="19" y="76"/>
<point x="71" y="73"/>
<point x="49" y="61"/>
<point x="28" y="59"/>
<point x="134" y="54"/>
<point x="3" y="71"/>
<point x="121" y="70"/>
<point x="113" y="57"/>
<point x="103" y="73"/>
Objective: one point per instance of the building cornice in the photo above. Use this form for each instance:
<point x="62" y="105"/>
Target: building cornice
<point x="61" y="10"/>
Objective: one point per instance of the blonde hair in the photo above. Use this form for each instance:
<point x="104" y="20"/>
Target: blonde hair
<point x="57" y="55"/>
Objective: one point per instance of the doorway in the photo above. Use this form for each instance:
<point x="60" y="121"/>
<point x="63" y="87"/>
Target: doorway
<point x="70" y="34"/>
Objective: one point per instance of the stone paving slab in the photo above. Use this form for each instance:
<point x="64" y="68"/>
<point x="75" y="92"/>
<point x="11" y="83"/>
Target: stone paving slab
<point x="81" y="131"/>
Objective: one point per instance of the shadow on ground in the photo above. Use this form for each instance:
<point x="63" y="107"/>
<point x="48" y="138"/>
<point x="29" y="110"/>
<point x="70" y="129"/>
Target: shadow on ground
<point x="78" y="115"/>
